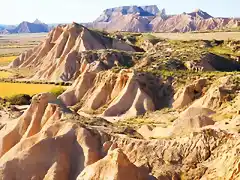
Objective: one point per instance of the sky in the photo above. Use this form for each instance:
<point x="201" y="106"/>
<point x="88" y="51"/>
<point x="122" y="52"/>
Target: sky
<point x="67" y="11"/>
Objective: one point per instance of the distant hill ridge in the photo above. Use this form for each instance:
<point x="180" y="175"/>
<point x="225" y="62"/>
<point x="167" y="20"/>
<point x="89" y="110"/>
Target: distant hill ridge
<point x="151" y="10"/>
<point x="151" y="19"/>
<point x="140" y="19"/>
<point x="27" y="27"/>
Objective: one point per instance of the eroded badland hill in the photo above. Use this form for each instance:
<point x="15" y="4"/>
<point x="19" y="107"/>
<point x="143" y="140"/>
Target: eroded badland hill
<point x="138" y="107"/>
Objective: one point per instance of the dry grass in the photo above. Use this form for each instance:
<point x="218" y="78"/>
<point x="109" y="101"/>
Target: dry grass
<point x="10" y="89"/>
<point x="200" y="36"/>
<point x="6" y="60"/>
<point x="223" y="50"/>
<point x="18" y="43"/>
<point x="4" y="74"/>
<point x="16" y="46"/>
<point x="23" y="72"/>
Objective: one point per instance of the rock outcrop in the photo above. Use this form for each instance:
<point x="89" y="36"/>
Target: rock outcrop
<point x="212" y="98"/>
<point x="125" y="94"/>
<point x="189" y="93"/>
<point x="60" y="56"/>
<point x="188" y="121"/>
<point x="189" y="124"/>
<point x="199" y="108"/>
<point x="115" y="165"/>
<point x="38" y="133"/>
<point x="215" y="96"/>
<point x="44" y="144"/>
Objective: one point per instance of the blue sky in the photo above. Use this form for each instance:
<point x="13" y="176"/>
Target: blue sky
<point x="64" y="11"/>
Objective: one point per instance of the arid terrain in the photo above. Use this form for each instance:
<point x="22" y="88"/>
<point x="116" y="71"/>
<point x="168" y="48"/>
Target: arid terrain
<point x="84" y="104"/>
<point x="17" y="43"/>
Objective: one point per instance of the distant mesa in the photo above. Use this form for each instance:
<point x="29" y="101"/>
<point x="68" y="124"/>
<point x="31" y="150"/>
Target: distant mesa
<point x="151" y="19"/>
<point x="198" y="13"/>
<point x="109" y="14"/>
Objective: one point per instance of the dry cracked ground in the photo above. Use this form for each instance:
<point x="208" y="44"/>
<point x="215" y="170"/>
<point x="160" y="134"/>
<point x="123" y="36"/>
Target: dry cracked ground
<point x="139" y="107"/>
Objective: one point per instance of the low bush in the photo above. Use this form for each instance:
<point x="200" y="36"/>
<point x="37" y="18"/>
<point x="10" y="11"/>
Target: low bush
<point x="20" y="99"/>
<point x="57" y="91"/>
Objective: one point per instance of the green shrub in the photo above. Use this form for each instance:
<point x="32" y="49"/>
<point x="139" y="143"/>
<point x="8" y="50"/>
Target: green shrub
<point x="62" y="83"/>
<point x="68" y="84"/>
<point x="57" y="91"/>
<point x="20" y="99"/>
